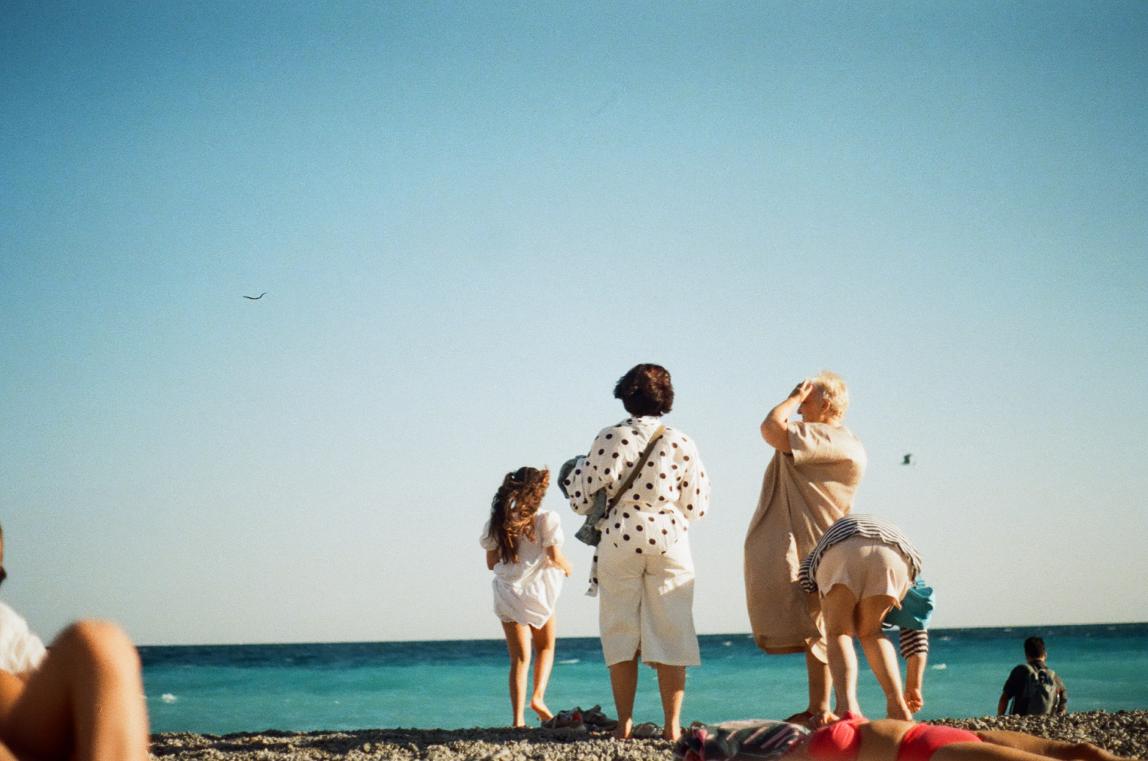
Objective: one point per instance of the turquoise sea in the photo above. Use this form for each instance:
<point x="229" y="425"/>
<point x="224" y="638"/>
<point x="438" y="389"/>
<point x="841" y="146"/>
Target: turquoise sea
<point x="453" y="684"/>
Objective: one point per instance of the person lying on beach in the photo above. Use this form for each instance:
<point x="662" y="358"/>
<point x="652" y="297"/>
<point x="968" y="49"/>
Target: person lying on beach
<point x="80" y="699"/>
<point x="862" y="567"/>
<point x="880" y="740"/>
<point x="524" y="549"/>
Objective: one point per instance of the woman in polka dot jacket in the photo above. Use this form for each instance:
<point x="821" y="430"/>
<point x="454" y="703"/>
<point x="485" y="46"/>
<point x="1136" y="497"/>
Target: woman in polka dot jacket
<point x="644" y="571"/>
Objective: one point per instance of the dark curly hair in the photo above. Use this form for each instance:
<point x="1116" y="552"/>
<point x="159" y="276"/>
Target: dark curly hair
<point x="513" y="508"/>
<point x="646" y="390"/>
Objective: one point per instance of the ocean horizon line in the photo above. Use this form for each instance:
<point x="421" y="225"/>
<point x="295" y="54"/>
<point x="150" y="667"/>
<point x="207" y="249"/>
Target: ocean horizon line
<point x="499" y="640"/>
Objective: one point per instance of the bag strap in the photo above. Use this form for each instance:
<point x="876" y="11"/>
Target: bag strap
<point x="634" y="473"/>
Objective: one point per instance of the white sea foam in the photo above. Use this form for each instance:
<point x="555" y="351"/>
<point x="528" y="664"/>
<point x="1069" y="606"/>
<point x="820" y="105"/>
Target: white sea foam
<point x="167" y="697"/>
<point x="570" y="661"/>
<point x="940" y="666"/>
<point x="727" y="643"/>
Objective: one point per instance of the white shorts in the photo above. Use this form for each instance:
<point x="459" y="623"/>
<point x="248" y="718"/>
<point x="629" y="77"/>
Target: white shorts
<point x="866" y="567"/>
<point x="645" y="605"/>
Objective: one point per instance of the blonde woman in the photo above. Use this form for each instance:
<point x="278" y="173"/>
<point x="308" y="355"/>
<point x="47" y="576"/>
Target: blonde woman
<point x="809" y="483"/>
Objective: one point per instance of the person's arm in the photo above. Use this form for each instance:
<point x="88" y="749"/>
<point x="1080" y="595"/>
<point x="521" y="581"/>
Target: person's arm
<point x="491" y="559"/>
<point x="601" y="468"/>
<point x="1012" y="687"/>
<point x="555" y="558"/>
<point x="775" y="427"/>
<point x="915" y="651"/>
<point x="1061" y="697"/>
<point x="695" y="499"/>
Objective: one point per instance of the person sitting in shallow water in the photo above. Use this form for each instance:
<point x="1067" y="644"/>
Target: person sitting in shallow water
<point x="881" y="740"/>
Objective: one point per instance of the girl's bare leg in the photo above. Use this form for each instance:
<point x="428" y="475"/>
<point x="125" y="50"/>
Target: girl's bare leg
<point x="624" y="683"/>
<point x="518" y="648"/>
<point x="881" y="654"/>
<point x="672" y="687"/>
<point x="837" y="607"/>
<point x="85" y="702"/>
<point x="543" y="640"/>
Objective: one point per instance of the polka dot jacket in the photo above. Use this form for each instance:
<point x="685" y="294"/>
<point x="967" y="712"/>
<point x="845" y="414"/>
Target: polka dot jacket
<point x="671" y="491"/>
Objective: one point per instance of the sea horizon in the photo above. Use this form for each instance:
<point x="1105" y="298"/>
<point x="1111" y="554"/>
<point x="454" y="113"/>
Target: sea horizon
<point x="462" y="682"/>
<point x="255" y="643"/>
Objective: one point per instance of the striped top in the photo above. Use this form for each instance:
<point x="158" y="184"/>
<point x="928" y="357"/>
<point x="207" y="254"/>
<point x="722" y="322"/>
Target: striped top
<point x="857" y="525"/>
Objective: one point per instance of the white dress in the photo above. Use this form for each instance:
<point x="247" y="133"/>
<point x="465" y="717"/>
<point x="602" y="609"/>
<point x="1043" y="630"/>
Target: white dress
<point x="527" y="591"/>
<point x="20" y="650"/>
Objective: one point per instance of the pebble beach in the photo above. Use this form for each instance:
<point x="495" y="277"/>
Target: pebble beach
<point x="1124" y="733"/>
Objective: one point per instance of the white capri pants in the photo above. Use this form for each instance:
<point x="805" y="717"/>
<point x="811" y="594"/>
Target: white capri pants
<point x="645" y="605"/>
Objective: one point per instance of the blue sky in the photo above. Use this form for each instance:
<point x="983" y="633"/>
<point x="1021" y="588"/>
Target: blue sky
<point x="470" y="219"/>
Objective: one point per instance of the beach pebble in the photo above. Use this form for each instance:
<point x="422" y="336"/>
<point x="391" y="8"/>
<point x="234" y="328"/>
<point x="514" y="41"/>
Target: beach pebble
<point x="1124" y="733"/>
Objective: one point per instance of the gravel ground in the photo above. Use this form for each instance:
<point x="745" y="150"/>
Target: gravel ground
<point x="1124" y="733"/>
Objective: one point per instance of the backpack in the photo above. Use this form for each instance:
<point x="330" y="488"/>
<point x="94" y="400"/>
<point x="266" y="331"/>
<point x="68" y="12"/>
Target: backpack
<point x="1039" y="691"/>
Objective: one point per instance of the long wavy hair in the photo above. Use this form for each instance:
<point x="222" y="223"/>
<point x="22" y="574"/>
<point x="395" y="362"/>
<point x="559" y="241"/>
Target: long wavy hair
<point x="513" y="508"/>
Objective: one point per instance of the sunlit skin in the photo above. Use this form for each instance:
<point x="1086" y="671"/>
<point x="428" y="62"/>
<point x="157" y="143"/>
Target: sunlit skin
<point x="806" y="399"/>
<point x="881" y="739"/>
<point x="84" y="702"/>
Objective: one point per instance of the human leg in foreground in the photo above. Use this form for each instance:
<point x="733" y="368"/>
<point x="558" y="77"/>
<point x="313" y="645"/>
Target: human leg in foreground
<point x="844" y="618"/>
<point x="543" y="640"/>
<point x="85" y="701"/>
<point x="518" y="649"/>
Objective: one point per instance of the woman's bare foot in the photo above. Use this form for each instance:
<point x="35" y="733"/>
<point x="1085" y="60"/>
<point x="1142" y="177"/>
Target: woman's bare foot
<point x="671" y="733"/>
<point x="540" y="708"/>
<point x="622" y="731"/>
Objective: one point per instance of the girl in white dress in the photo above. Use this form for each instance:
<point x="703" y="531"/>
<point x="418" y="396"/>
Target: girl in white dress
<point x="522" y="546"/>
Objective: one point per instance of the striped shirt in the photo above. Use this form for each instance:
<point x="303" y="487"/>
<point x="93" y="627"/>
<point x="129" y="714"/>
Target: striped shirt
<point x="857" y="525"/>
<point x="914" y="641"/>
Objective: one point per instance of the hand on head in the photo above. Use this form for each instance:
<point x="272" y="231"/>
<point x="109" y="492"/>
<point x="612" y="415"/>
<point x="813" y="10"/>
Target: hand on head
<point x="802" y="390"/>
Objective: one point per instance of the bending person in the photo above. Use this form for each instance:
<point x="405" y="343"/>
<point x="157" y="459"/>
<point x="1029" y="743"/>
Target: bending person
<point x="82" y="699"/>
<point x="810" y="482"/>
<point x="863" y="567"/>
<point x="655" y="486"/>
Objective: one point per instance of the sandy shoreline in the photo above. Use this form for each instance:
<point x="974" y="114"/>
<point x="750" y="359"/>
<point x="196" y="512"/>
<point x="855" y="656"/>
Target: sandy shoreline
<point x="1124" y="732"/>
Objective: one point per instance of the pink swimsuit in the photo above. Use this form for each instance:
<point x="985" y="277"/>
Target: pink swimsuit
<point x="841" y="740"/>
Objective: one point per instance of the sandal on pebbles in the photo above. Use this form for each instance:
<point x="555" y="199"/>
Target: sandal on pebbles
<point x="565" y="720"/>
<point x="595" y="718"/>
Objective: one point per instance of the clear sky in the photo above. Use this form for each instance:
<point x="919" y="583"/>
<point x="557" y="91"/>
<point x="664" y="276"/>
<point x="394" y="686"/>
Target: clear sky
<point x="471" y="218"/>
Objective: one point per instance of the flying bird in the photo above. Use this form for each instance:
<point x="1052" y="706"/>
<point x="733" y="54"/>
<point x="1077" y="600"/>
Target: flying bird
<point x="256" y="298"/>
<point x="906" y="460"/>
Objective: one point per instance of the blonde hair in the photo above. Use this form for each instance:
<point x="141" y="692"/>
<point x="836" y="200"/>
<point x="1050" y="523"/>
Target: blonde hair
<point x="834" y="392"/>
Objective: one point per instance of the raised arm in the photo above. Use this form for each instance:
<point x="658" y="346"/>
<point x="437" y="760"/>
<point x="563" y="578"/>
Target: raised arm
<point x="775" y="427"/>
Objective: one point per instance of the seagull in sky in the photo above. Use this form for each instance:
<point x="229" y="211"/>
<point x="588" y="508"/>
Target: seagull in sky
<point x="906" y="460"/>
<point x="256" y="298"/>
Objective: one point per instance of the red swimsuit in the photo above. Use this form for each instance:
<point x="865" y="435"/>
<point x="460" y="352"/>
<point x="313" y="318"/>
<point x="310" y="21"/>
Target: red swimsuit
<point x="841" y="740"/>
